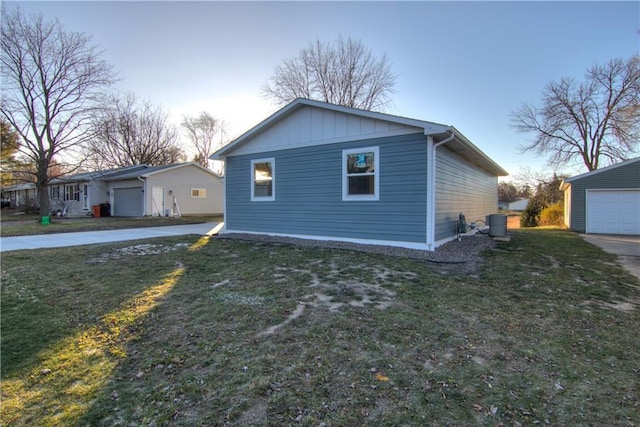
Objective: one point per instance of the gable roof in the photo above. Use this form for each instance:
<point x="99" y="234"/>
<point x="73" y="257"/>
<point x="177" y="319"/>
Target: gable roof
<point x="458" y="144"/>
<point x="101" y="174"/>
<point x="565" y="182"/>
<point x="152" y="171"/>
<point x="19" y="187"/>
<point x="129" y="172"/>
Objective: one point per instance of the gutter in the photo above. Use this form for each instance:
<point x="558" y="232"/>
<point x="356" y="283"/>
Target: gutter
<point x="444" y="141"/>
<point x="431" y="186"/>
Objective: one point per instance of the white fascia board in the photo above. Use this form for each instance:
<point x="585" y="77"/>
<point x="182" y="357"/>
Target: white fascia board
<point x="178" y="166"/>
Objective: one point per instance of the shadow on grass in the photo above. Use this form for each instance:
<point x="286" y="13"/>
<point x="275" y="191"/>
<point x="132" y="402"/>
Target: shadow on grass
<point x="55" y="369"/>
<point x="512" y="345"/>
<point x="38" y="310"/>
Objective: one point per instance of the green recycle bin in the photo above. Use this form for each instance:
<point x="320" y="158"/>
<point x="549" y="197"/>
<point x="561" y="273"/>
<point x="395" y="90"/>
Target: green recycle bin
<point x="45" y="220"/>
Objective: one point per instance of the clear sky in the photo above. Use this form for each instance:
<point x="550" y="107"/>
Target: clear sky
<point x="466" y="64"/>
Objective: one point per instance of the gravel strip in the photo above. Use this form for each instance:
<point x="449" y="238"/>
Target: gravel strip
<point x="459" y="256"/>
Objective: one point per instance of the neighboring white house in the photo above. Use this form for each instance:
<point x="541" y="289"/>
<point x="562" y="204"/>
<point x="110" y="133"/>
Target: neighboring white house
<point x="518" y="205"/>
<point x="141" y="190"/>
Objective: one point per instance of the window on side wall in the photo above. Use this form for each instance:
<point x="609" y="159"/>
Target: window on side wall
<point x="360" y="174"/>
<point x="263" y="172"/>
<point x="198" y="193"/>
<point x="72" y="192"/>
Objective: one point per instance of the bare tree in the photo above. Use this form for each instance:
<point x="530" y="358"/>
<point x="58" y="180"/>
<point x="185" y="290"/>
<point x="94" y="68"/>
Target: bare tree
<point x="130" y="133"/>
<point x="202" y="132"/>
<point x="9" y="144"/>
<point x="52" y="82"/>
<point x="344" y="73"/>
<point x="509" y="192"/>
<point x="596" y="122"/>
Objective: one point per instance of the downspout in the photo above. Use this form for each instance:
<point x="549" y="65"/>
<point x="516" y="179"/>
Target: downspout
<point x="144" y="197"/>
<point x="431" y="187"/>
<point x="224" y="197"/>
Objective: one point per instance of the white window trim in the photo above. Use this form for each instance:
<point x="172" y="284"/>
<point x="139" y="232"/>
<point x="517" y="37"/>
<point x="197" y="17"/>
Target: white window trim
<point x="346" y="197"/>
<point x="271" y="198"/>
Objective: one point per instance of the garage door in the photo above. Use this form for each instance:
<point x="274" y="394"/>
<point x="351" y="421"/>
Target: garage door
<point x="127" y="201"/>
<point x="613" y="211"/>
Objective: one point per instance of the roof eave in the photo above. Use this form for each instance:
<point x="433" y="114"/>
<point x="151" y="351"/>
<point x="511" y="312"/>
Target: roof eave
<point x="607" y="168"/>
<point x="429" y="129"/>
<point x="476" y="156"/>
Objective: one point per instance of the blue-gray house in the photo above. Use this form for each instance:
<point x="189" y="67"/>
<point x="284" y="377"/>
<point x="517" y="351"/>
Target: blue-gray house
<point x="322" y="171"/>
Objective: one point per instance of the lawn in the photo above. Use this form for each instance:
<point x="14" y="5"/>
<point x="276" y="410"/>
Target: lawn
<point x="216" y="332"/>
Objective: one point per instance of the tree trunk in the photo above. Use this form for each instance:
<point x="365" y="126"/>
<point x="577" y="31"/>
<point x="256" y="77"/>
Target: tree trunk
<point x="41" y="186"/>
<point x="43" y="199"/>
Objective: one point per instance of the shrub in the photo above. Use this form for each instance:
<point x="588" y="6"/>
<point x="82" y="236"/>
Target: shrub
<point x="530" y="214"/>
<point x="553" y="215"/>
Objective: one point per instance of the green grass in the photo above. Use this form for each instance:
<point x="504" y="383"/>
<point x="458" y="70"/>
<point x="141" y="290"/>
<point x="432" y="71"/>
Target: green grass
<point x="220" y="332"/>
<point x="26" y="225"/>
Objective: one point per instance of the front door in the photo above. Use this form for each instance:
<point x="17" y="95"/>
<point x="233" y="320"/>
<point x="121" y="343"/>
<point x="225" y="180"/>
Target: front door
<point x="157" y="201"/>
<point x="85" y="197"/>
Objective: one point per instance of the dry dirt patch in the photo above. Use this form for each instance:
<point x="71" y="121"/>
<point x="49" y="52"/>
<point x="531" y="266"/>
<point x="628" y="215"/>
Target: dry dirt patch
<point x="136" y="250"/>
<point x="332" y="287"/>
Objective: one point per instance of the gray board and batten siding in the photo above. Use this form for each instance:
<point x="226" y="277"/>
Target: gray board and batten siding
<point x="621" y="177"/>
<point x="308" y="193"/>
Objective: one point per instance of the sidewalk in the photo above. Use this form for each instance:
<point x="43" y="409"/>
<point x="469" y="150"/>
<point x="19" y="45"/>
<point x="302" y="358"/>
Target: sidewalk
<point x="627" y="248"/>
<point x="92" y="237"/>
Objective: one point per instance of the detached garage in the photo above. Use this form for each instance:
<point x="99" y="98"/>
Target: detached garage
<point x="140" y="190"/>
<point x="179" y="189"/>
<point x="604" y="201"/>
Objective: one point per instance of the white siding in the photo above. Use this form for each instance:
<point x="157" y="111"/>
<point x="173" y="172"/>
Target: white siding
<point x="310" y="126"/>
<point x="180" y="181"/>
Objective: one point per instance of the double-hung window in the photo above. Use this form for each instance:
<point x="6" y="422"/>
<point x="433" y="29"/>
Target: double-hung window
<point x="263" y="173"/>
<point x="72" y="192"/>
<point x="360" y="174"/>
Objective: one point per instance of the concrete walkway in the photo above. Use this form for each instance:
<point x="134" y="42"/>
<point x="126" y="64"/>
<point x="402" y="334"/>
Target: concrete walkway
<point x="106" y="236"/>
<point x="627" y="248"/>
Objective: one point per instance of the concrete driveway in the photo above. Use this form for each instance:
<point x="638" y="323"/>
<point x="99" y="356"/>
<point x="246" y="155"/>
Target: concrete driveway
<point x="627" y="248"/>
<point x="106" y="236"/>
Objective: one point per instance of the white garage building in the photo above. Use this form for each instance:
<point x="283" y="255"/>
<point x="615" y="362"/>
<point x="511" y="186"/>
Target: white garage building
<point x="139" y="191"/>
<point x="604" y="201"/>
